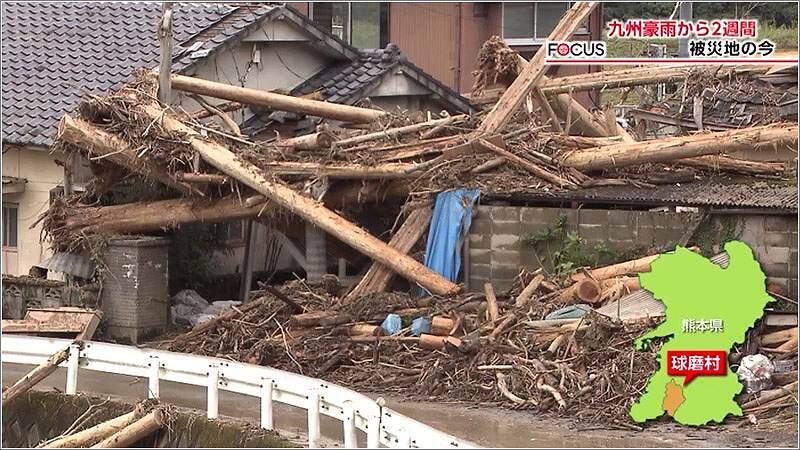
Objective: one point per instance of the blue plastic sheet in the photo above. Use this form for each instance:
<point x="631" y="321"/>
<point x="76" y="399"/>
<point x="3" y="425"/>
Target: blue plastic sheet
<point x="452" y="216"/>
<point x="392" y="324"/>
<point x="420" y="325"/>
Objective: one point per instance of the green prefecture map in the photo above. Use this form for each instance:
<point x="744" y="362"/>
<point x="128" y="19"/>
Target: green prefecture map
<point x="708" y="310"/>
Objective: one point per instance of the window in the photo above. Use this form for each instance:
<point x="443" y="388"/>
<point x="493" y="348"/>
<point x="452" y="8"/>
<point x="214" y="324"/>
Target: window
<point x="361" y="24"/>
<point x="9" y="226"/>
<point x="526" y="23"/>
<point x="231" y="232"/>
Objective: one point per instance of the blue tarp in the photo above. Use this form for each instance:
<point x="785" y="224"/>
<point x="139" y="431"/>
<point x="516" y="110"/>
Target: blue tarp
<point x="452" y="216"/>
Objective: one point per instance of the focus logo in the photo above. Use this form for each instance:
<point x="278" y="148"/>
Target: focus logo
<point x="580" y="49"/>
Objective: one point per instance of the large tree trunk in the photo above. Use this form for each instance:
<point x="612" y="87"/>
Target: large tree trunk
<point x="274" y="101"/>
<point x="353" y="171"/>
<point x="672" y="148"/>
<point x="36" y="375"/>
<point x="499" y="116"/>
<point x="639" y="76"/>
<point x="142" y="428"/>
<point x="223" y="160"/>
<point x="727" y="164"/>
<point x="142" y="217"/>
<point x="96" y="142"/>
<point x="378" y="276"/>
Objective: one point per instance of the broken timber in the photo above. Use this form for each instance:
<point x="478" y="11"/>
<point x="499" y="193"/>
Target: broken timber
<point x="104" y="145"/>
<point x="527" y="165"/>
<point x="394" y="132"/>
<point x="670" y="149"/>
<point x="36" y="375"/>
<point x="515" y="95"/>
<point x="275" y="101"/>
<point x="225" y="161"/>
<point x="378" y="276"/>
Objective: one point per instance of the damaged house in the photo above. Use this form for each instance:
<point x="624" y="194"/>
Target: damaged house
<point x="487" y="256"/>
<point x="56" y="54"/>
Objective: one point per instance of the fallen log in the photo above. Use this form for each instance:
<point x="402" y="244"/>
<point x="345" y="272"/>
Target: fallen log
<point x="36" y="375"/>
<point x="399" y="131"/>
<point x="94" y="434"/>
<point x="529" y="166"/>
<point x="431" y="342"/>
<point x="140" y="217"/>
<point x="332" y="318"/>
<point x="767" y="396"/>
<point x="673" y="148"/>
<point x="225" y="161"/>
<point x="728" y="164"/>
<point x="104" y="145"/>
<point x="127" y="436"/>
<point x="378" y="276"/>
<point x="640" y="76"/>
<point x="344" y="171"/>
<point x="525" y="296"/>
<point x="321" y="140"/>
<point x="624" y="268"/>
<point x="209" y="324"/>
<point x="274" y="101"/>
<point x="489" y="165"/>
<point x="515" y="95"/>
<point x="778" y="337"/>
<point x="441" y="326"/>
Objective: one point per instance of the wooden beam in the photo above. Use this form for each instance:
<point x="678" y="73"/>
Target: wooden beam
<point x="673" y="148"/>
<point x="36" y="375"/>
<point x="275" y="101"/>
<point x="508" y="104"/>
<point x="227" y="162"/>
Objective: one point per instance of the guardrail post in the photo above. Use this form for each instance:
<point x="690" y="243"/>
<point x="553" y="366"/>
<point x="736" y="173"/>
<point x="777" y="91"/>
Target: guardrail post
<point x="349" y="423"/>
<point x="72" y="369"/>
<point x="313" y="419"/>
<point x="266" y="404"/>
<point x="153" y="384"/>
<point x="374" y="432"/>
<point x="403" y="438"/>
<point x="213" y="392"/>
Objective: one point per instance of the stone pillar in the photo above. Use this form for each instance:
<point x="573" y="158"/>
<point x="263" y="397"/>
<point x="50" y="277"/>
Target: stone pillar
<point x="135" y="296"/>
<point x="316" y="258"/>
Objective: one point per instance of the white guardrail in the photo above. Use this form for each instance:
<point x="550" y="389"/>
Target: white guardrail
<point x="382" y="425"/>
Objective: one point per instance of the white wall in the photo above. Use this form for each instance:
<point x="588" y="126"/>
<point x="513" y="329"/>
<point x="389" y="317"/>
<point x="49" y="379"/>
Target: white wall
<point x="39" y="168"/>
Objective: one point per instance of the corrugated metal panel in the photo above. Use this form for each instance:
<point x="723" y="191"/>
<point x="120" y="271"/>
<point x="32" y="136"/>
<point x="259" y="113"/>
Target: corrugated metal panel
<point x="69" y="263"/>
<point x="641" y="304"/>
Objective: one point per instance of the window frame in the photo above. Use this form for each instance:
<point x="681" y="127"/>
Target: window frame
<point x="532" y="40"/>
<point x="383" y="22"/>
<point x="15" y="207"/>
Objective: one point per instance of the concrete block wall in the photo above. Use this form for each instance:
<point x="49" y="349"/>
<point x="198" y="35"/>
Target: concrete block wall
<point x="773" y="239"/>
<point x="496" y="252"/>
<point x="135" y="298"/>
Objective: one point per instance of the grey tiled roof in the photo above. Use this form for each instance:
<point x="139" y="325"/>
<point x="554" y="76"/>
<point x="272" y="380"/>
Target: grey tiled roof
<point x="719" y="193"/>
<point x="54" y="53"/>
<point x="350" y="82"/>
<point x="346" y="82"/>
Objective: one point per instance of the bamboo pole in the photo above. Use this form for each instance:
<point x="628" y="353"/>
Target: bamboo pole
<point x="275" y="101"/>
<point x="225" y="161"/>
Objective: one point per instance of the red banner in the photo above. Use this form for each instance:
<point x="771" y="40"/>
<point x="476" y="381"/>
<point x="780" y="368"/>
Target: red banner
<point x="692" y="363"/>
